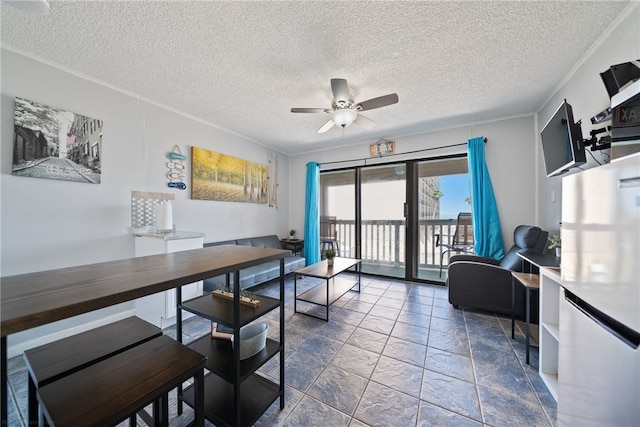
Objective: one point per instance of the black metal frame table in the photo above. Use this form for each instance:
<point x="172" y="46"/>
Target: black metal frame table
<point x="35" y="299"/>
<point x="532" y="263"/>
<point x="324" y="297"/>
<point x="531" y="282"/>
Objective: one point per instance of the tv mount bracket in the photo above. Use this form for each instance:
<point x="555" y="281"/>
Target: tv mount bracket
<point x="598" y="144"/>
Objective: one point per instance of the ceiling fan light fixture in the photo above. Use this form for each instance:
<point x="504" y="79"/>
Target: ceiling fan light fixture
<point x="344" y="110"/>
<point x="344" y="117"/>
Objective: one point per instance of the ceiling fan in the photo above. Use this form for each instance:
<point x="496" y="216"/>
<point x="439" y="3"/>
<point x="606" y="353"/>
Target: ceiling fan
<point x="344" y="110"/>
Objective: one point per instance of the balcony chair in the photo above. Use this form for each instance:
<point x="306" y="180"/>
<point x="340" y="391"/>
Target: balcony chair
<point x="462" y="240"/>
<point x="485" y="283"/>
<point x="329" y="234"/>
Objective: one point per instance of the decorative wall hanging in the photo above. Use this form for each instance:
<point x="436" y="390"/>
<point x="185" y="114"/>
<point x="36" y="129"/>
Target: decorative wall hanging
<point x="217" y="176"/>
<point x="56" y="144"/>
<point x="144" y="209"/>
<point x="273" y="180"/>
<point x="177" y="169"/>
<point x="381" y="148"/>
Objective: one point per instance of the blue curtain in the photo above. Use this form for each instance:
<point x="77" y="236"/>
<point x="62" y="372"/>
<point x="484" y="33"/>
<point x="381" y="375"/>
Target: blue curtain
<point x="486" y="222"/>
<point x="312" y="214"/>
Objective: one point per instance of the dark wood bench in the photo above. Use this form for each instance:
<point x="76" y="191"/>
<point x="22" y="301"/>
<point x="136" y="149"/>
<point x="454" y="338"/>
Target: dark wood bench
<point x="109" y="391"/>
<point x="53" y="361"/>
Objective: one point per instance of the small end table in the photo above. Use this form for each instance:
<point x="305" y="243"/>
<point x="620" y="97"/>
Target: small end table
<point x="531" y="282"/>
<point x="294" y="245"/>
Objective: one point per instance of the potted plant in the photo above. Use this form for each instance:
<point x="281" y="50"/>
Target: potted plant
<point x="292" y="234"/>
<point x="554" y="243"/>
<point x="329" y="254"/>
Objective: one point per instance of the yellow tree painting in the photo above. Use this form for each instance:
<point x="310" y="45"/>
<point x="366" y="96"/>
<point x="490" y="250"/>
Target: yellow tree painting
<point x="217" y="176"/>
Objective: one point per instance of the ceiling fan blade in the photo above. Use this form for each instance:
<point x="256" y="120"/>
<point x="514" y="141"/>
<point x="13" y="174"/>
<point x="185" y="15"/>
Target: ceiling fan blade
<point x="340" y="89"/>
<point x="325" y="127"/>
<point x="307" y="110"/>
<point x="381" y="101"/>
<point x="364" y="122"/>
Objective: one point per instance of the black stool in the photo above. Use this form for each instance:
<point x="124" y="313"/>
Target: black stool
<point x="116" y="388"/>
<point x="50" y="362"/>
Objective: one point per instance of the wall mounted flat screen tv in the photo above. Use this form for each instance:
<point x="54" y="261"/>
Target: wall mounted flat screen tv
<point x="562" y="143"/>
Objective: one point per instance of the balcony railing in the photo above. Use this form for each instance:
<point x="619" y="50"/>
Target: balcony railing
<point x="383" y="241"/>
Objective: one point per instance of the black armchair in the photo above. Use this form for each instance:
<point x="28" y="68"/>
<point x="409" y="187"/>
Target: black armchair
<point x="485" y="283"/>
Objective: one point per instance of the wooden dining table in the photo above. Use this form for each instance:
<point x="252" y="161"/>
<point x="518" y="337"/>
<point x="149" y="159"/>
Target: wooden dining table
<point x="34" y="299"/>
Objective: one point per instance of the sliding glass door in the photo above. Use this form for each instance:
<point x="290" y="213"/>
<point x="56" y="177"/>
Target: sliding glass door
<point x="394" y="216"/>
<point x="338" y="212"/>
<point x="383" y="225"/>
<point x="441" y="191"/>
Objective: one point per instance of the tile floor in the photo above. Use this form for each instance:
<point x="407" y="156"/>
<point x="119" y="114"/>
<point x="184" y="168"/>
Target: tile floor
<point x="395" y="354"/>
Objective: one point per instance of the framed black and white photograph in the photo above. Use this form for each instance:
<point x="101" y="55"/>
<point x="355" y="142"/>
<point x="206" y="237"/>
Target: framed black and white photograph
<point x="56" y="144"/>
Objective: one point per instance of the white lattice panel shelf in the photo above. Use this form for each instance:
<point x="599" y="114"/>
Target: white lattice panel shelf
<point x="143" y="207"/>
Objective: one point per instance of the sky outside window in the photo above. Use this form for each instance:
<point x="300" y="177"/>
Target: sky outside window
<point x="455" y="189"/>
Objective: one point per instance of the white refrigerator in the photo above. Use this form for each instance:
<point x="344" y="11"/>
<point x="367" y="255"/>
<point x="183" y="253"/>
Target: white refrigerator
<point x="599" y="322"/>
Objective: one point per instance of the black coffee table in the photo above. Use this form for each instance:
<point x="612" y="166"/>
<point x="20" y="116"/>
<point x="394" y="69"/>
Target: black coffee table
<point x="325" y="294"/>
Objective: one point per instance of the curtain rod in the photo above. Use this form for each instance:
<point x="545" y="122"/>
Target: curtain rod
<point x="364" y="159"/>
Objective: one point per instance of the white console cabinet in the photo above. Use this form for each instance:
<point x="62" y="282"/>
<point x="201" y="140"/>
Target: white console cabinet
<point x="160" y="309"/>
<point x="550" y="295"/>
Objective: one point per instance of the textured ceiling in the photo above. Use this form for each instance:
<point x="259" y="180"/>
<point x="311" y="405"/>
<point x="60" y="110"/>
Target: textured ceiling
<point x="243" y="65"/>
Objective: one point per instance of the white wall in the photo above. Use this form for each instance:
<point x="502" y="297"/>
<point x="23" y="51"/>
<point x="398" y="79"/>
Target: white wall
<point x="584" y="90"/>
<point x="47" y="224"/>
<point x="510" y="154"/>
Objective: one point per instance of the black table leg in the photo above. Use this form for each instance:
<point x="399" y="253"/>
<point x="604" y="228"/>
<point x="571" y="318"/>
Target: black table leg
<point x="528" y="292"/>
<point x="513" y="307"/>
<point x="33" y="405"/>
<point x="282" y="338"/>
<point x="327" y="300"/>
<point x="198" y="390"/>
<point x="4" y="419"/>
<point x="179" y="339"/>
<point x="295" y="292"/>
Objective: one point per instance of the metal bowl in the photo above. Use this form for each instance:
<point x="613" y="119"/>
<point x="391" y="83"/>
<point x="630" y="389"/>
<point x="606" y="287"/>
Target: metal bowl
<point x="253" y="339"/>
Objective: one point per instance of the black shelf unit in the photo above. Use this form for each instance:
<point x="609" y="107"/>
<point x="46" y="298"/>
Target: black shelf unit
<point x="222" y="310"/>
<point x="232" y="380"/>
<point x="257" y="394"/>
<point x="220" y="357"/>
